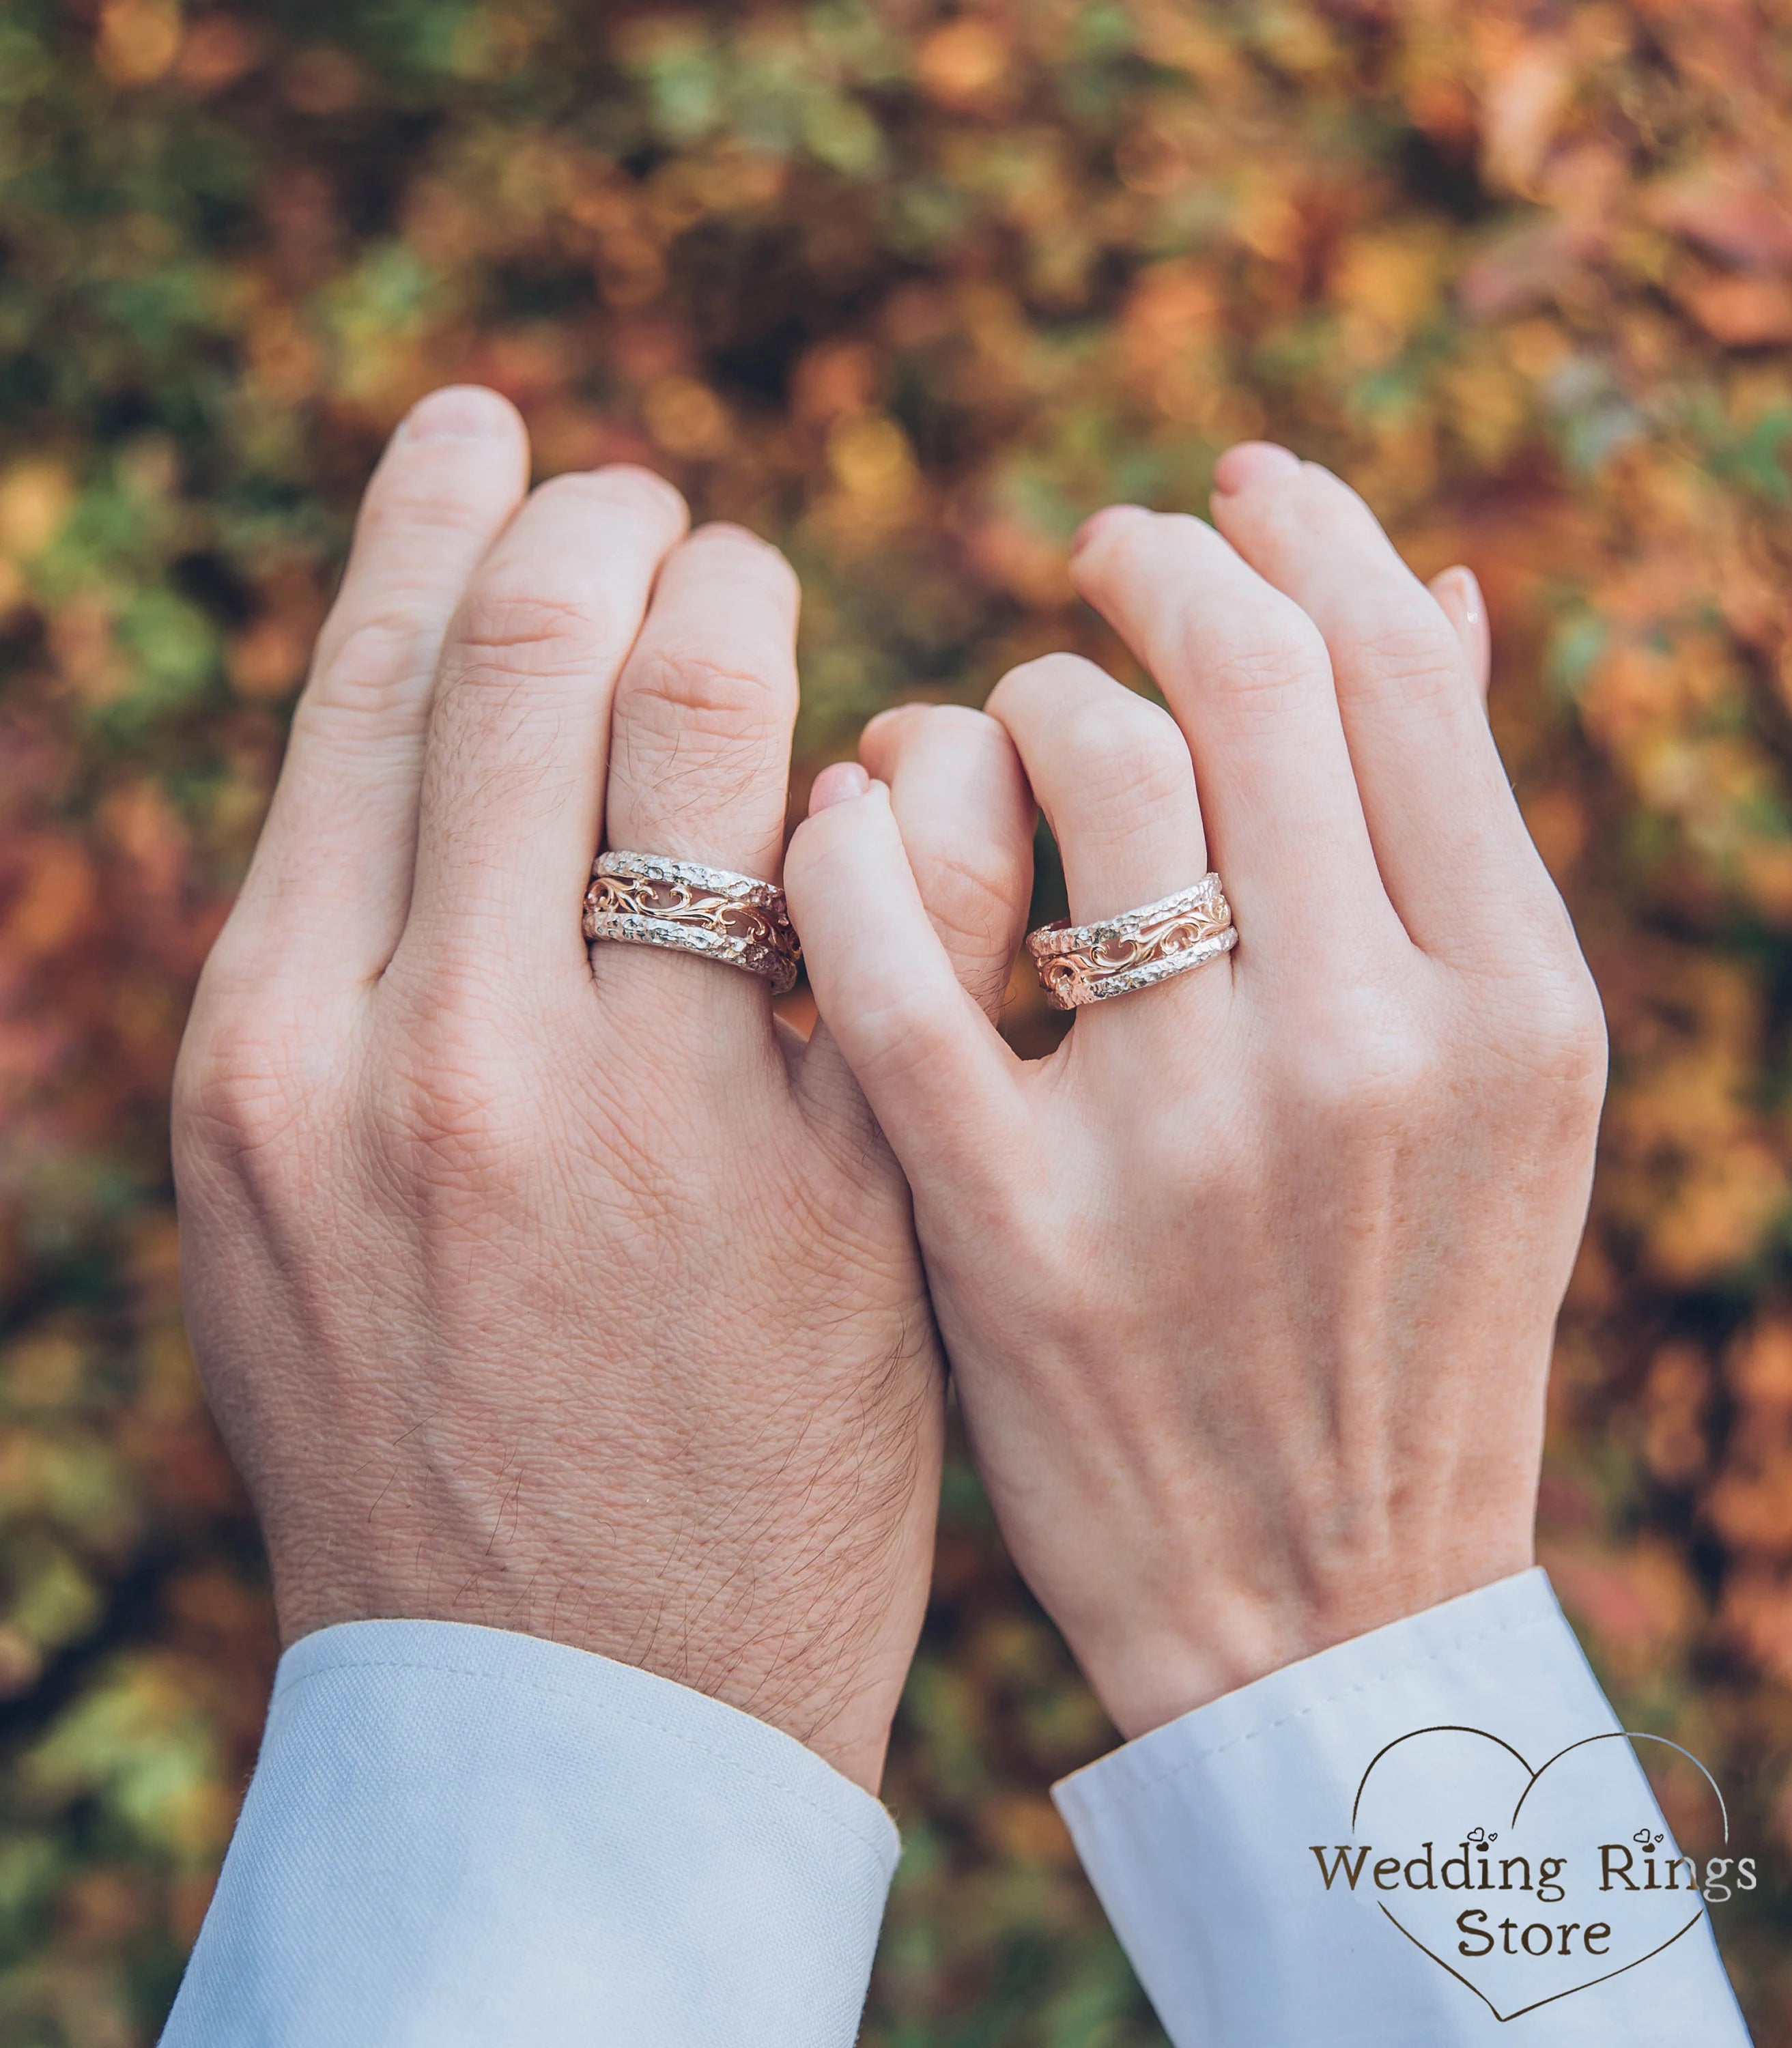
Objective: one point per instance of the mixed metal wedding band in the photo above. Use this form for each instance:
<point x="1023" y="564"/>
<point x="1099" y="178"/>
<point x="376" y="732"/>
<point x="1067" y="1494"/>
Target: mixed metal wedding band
<point x="644" y="900"/>
<point x="1116" y="955"/>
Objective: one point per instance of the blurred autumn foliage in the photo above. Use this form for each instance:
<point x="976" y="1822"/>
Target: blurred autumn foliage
<point x="913" y="289"/>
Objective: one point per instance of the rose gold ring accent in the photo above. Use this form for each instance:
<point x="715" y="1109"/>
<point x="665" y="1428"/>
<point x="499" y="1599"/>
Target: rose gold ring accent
<point x="1115" y="955"/>
<point x="645" y="901"/>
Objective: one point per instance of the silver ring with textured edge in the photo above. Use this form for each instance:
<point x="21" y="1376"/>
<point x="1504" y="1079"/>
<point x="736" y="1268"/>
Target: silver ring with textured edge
<point x="1083" y="963"/>
<point x="643" y="900"/>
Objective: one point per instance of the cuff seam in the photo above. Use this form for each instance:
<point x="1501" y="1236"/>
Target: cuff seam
<point x="1131" y="1787"/>
<point x="881" y="1850"/>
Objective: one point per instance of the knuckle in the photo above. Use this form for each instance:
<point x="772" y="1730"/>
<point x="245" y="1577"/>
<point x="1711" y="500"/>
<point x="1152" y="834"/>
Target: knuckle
<point x="635" y="481"/>
<point x="967" y="727"/>
<point x="972" y="892"/>
<point x="509" y="624"/>
<point x="456" y="1111"/>
<point x="1261" y="657"/>
<point x="1035" y="691"/>
<point x="899" y="722"/>
<point x="1565" y="1038"/>
<point x="685" y="688"/>
<point x="622" y="484"/>
<point x="237" y="1088"/>
<point x="1126" y="752"/>
<point x="419" y="498"/>
<point x="902" y="1043"/>
<point x="1143" y="554"/>
<point x="1267" y="664"/>
<point x="1586" y="1049"/>
<point x="365" y="678"/>
<point x="746" y="551"/>
<point x="1056" y="673"/>
<point x="1408" y="653"/>
<point x="1372" y="1068"/>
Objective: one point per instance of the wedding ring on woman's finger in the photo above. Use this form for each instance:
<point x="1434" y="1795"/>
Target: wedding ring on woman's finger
<point x="1115" y="955"/>
<point x="645" y="901"/>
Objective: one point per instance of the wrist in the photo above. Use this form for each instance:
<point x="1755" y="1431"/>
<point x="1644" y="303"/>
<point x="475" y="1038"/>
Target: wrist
<point x="792" y="1682"/>
<point x="1166" y="1663"/>
<point x="1199" y="1838"/>
<point x="458" y="1834"/>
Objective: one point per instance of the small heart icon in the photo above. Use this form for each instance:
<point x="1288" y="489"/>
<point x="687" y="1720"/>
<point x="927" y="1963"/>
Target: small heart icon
<point x="1575" y="1892"/>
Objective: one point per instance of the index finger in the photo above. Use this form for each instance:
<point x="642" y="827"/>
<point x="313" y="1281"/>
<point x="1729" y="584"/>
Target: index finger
<point x="331" y="875"/>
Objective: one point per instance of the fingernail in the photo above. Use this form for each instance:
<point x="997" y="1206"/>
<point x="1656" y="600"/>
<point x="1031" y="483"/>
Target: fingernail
<point x="457" y="412"/>
<point x="1253" y="462"/>
<point x="737" y="536"/>
<point x="1469" y="597"/>
<point x="1099" y="522"/>
<point x="839" y="784"/>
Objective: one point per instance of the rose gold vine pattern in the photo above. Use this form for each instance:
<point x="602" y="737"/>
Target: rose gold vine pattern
<point x="1078" y="976"/>
<point x="645" y="899"/>
<point x="681" y="903"/>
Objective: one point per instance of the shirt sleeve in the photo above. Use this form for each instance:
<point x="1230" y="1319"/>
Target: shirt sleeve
<point x="1380" y="1847"/>
<point x="454" y="1836"/>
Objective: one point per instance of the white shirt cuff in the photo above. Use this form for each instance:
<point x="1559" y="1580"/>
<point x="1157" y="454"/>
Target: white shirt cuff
<point x="455" y="1835"/>
<point x="1200" y="1839"/>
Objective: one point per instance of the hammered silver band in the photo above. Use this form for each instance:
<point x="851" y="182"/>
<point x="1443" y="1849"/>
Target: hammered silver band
<point x="1084" y="963"/>
<point x="643" y="900"/>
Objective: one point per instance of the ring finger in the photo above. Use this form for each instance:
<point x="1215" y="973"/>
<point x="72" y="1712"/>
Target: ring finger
<point x="699" y="745"/>
<point x="1113" y="775"/>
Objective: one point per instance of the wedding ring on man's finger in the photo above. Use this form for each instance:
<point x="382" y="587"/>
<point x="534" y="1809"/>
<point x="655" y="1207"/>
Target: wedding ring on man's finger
<point x="1083" y="963"/>
<point x="643" y="900"/>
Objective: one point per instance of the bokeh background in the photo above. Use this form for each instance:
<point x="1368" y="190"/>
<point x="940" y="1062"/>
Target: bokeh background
<point x="913" y="288"/>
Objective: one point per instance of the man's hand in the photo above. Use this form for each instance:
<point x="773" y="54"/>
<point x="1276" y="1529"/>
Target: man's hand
<point x="1249" y="1289"/>
<point x="570" y="1297"/>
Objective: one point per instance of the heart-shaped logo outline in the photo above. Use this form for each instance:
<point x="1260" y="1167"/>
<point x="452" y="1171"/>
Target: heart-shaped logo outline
<point x="1613" y="1735"/>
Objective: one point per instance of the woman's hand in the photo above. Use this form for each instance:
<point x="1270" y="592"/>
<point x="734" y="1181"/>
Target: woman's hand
<point x="1249" y="1289"/>
<point x="569" y="1297"/>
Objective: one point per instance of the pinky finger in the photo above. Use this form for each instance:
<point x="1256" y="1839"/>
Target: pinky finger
<point x="1458" y="590"/>
<point x="936" y="1075"/>
<point x="966" y="815"/>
